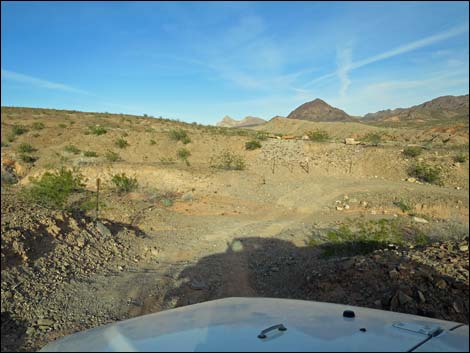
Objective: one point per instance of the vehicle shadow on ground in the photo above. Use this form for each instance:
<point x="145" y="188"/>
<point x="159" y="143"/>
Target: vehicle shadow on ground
<point x="262" y="267"/>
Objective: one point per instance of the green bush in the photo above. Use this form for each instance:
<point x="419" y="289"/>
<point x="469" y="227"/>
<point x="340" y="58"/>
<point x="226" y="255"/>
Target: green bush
<point x="90" y="154"/>
<point x="27" y="158"/>
<point x="153" y="142"/>
<point x="37" y="125"/>
<point x="62" y="125"/>
<point x="111" y="156"/>
<point x="361" y="237"/>
<point x="426" y="173"/>
<point x="97" y="130"/>
<point x="412" y="151"/>
<point x="53" y="189"/>
<point x="261" y="135"/>
<point x="71" y="149"/>
<point x="183" y="154"/>
<point x="121" y="143"/>
<point x="179" y="135"/>
<point x="373" y="138"/>
<point x="25" y="148"/>
<point x="228" y="160"/>
<point x="123" y="183"/>
<point x="402" y="205"/>
<point x="318" y="135"/>
<point x="460" y="158"/>
<point x="252" y="145"/>
<point x="17" y="130"/>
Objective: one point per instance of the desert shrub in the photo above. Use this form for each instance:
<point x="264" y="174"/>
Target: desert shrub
<point x="402" y="205"/>
<point x="149" y="129"/>
<point x="412" y="151"/>
<point x="71" y="149"/>
<point x="426" y="173"/>
<point x="252" y="145"/>
<point x="5" y="144"/>
<point x="25" y="148"/>
<point x="167" y="161"/>
<point x="53" y="189"/>
<point x="17" y="130"/>
<point x="111" y="156"/>
<point x="228" y="160"/>
<point x="36" y="135"/>
<point x="153" y="142"/>
<point x="179" y="135"/>
<point x="123" y="183"/>
<point x="167" y="202"/>
<point x="361" y="237"/>
<point x="27" y="158"/>
<point x="318" y="135"/>
<point x="261" y="135"/>
<point x="38" y="125"/>
<point x="460" y="158"/>
<point x="183" y="154"/>
<point x="124" y="134"/>
<point x="121" y="143"/>
<point x="97" y="130"/>
<point x="90" y="154"/>
<point x="62" y="125"/>
<point x="373" y="138"/>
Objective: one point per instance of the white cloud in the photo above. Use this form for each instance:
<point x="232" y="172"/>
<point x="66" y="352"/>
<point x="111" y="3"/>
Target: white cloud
<point x="394" y="52"/>
<point x="34" y="81"/>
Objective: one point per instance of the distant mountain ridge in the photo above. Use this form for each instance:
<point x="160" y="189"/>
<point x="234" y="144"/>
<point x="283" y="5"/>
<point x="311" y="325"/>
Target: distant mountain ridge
<point x="319" y="110"/>
<point x="440" y="108"/>
<point x="245" y="122"/>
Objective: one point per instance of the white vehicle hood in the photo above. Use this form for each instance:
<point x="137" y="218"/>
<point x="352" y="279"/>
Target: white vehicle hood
<point x="234" y="324"/>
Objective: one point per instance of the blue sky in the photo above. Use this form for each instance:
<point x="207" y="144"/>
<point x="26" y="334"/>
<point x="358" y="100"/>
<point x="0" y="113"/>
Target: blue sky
<point x="199" y="61"/>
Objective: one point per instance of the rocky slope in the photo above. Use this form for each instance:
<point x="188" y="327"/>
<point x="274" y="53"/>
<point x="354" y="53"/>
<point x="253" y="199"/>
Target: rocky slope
<point x="441" y="108"/>
<point x="319" y="110"/>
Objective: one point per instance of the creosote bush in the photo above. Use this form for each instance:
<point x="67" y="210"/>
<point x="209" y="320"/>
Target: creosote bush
<point x="179" y="135"/>
<point x="53" y="189"/>
<point x="71" y="149"/>
<point x="111" y="156"/>
<point x="38" y="125"/>
<point x="123" y="183"/>
<point x="373" y="138"/>
<point x="426" y="173"/>
<point x="25" y="148"/>
<point x="252" y="145"/>
<point x="318" y="135"/>
<point x="97" y="130"/>
<point x="183" y="154"/>
<point x="121" y="143"/>
<point x="227" y="160"/>
<point x="412" y="151"/>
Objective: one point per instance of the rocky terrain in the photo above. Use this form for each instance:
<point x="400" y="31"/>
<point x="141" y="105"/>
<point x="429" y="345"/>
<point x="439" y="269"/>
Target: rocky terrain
<point x="304" y="219"/>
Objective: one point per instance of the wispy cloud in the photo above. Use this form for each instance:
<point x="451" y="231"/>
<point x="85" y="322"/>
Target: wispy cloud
<point x="343" y="58"/>
<point x="394" y="52"/>
<point x="37" y="82"/>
